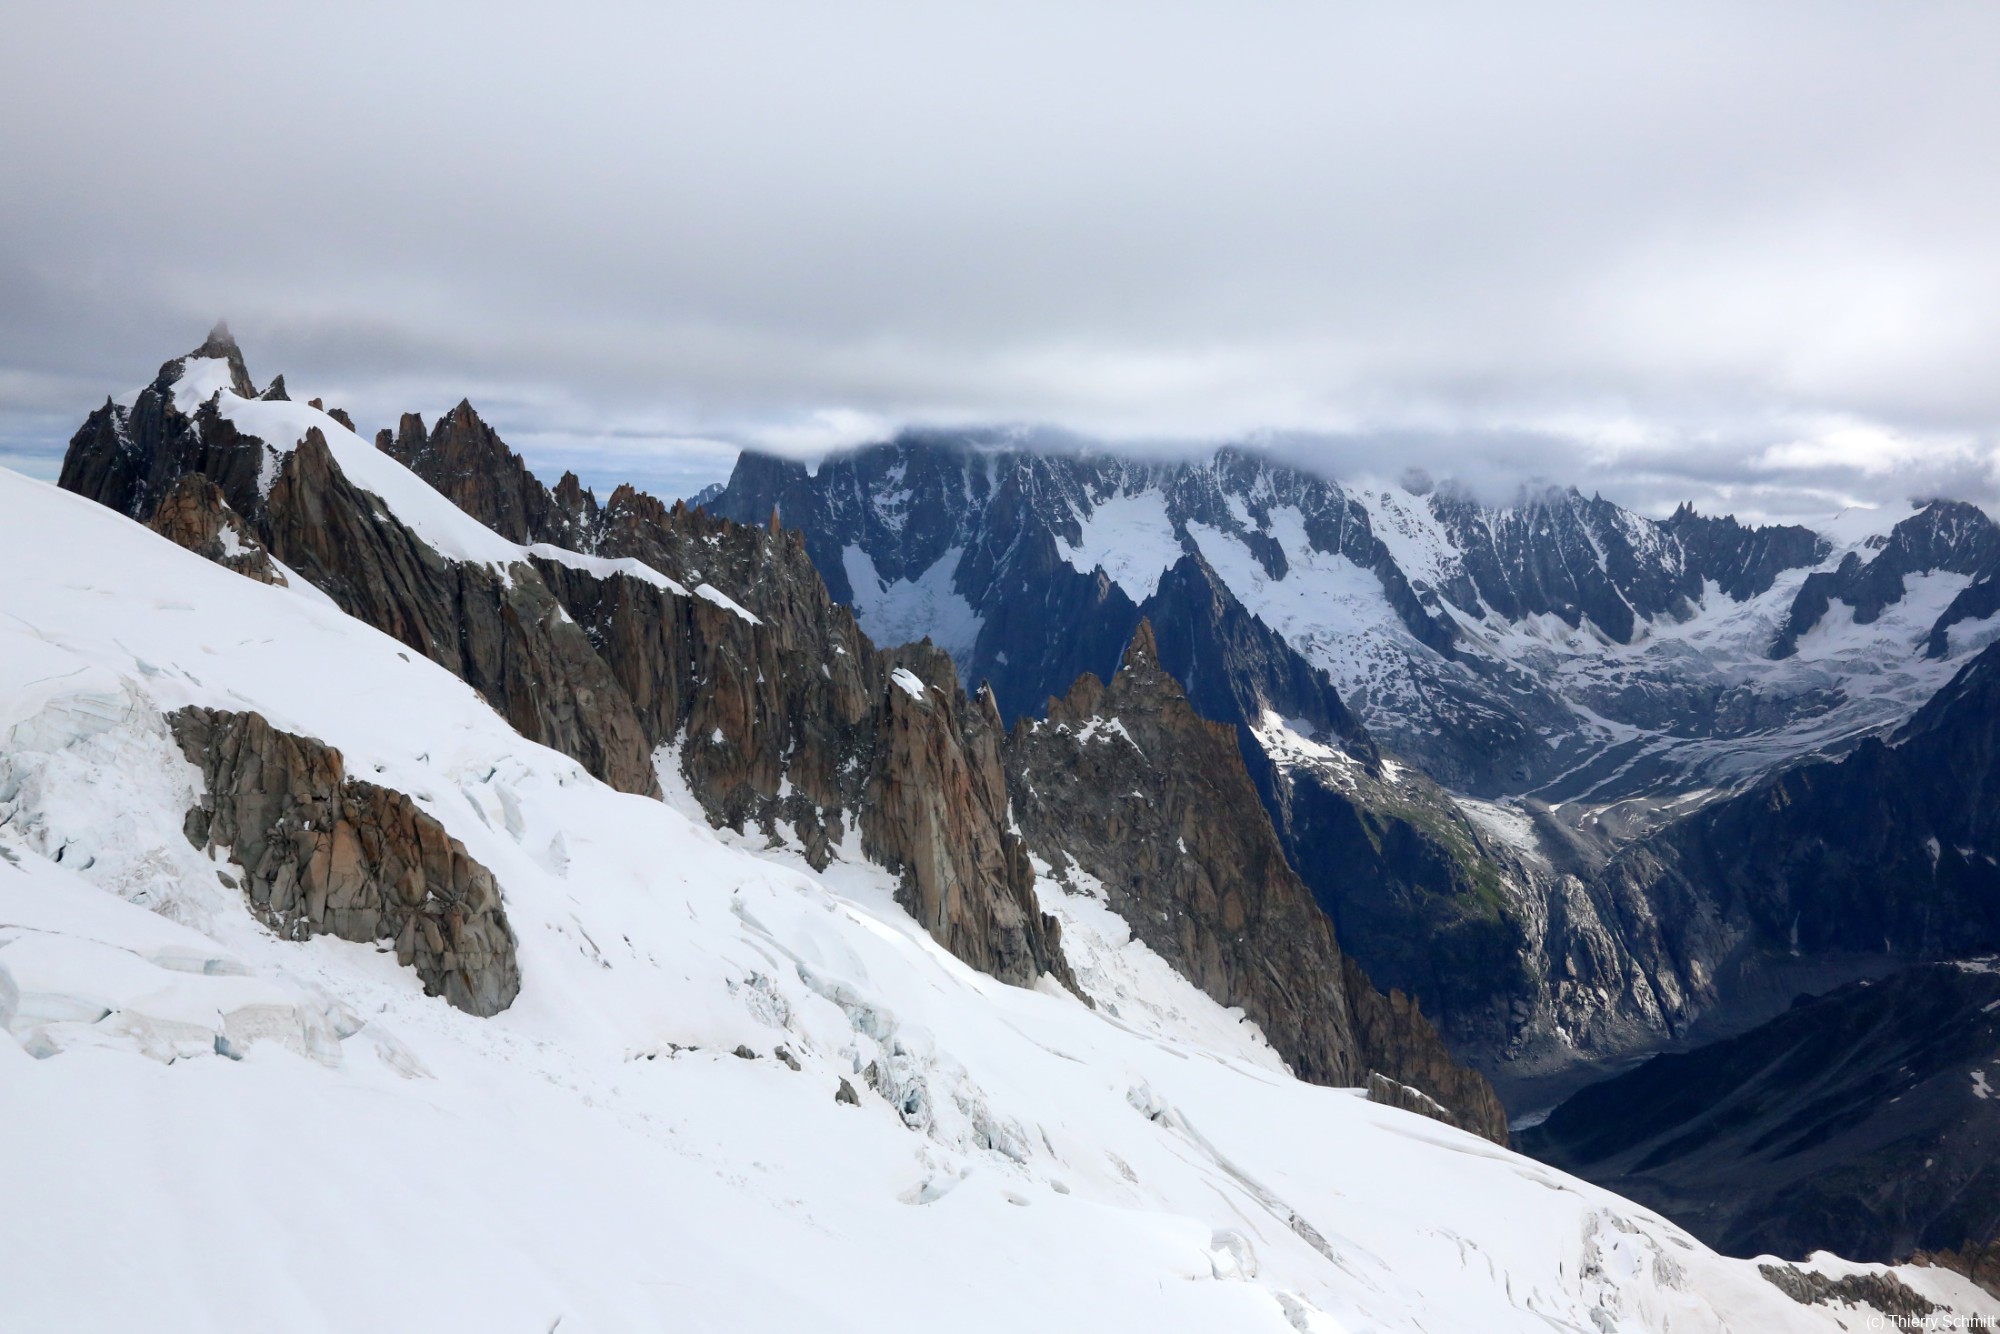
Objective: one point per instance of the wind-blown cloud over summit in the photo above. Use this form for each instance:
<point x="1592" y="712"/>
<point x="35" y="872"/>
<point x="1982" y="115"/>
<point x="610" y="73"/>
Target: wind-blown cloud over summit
<point x="1742" y="253"/>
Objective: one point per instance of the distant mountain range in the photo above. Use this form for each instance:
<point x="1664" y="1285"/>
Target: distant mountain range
<point x="1560" y="647"/>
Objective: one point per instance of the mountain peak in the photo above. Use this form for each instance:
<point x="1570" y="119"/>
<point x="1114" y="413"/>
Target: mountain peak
<point x="220" y="345"/>
<point x="1144" y="649"/>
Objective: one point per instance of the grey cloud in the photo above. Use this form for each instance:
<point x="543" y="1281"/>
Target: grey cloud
<point x="1645" y="249"/>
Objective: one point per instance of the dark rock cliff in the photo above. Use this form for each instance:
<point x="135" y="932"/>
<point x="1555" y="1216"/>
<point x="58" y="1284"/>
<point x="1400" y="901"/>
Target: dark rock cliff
<point x="502" y="631"/>
<point x="1861" y="1122"/>
<point x="1128" y="785"/>
<point x="1412" y="888"/>
<point x="1889" y="852"/>
<point x="325" y="854"/>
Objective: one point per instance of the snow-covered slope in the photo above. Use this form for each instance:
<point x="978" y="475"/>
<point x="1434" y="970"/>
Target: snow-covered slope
<point x="210" y="1128"/>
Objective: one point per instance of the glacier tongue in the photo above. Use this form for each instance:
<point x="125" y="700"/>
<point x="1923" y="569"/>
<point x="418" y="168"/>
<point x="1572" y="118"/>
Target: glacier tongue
<point x="625" y="1148"/>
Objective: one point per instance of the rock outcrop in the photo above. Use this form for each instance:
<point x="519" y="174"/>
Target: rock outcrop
<point x="1128" y="785"/>
<point x="938" y="761"/>
<point x="193" y="514"/>
<point x="468" y="463"/>
<point x="325" y="854"/>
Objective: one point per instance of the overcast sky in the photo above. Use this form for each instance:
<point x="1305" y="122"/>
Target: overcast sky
<point x="1747" y="254"/>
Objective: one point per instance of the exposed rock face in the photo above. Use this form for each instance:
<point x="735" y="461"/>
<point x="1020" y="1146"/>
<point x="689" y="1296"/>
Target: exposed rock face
<point x="465" y="460"/>
<point x="325" y="854"/>
<point x="781" y="715"/>
<point x="1555" y="553"/>
<point x="1946" y="535"/>
<point x="788" y="720"/>
<point x="194" y="515"/>
<point x="1888" y="853"/>
<point x="1881" y="1292"/>
<point x="938" y="760"/>
<point x="1980" y="1263"/>
<point x="504" y="633"/>
<point x="1126" y="784"/>
<point x="1389" y="1093"/>
<point x="1862" y="1122"/>
<point x="1411" y="886"/>
<point x="1742" y="560"/>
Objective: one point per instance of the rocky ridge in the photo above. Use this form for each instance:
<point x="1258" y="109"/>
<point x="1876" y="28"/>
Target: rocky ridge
<point x="1124" y="790"/>
<point x="1944" y="535"/>
<point x="771" y="718"/>
<point x="499" y="629"/>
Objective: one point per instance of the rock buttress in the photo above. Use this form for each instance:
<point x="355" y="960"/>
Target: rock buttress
<point x="325" y="854"/>
<point x="194" y="515"/>
<point x="1127" y="784"/>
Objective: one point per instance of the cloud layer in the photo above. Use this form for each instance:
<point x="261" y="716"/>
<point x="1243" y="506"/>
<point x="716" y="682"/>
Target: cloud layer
<point x="1744" y="253"/>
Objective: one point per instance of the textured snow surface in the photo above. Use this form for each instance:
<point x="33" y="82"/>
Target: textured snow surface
<point x="903" y="611"/>
<point x="1130" y="538"/>
<point x="209" y="1128"/>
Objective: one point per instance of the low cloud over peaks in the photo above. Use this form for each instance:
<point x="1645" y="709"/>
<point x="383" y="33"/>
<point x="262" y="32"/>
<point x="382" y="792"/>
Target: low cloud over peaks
<point x="1742" y="254"/>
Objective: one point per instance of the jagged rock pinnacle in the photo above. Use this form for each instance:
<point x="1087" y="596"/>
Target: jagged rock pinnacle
<point x="1144" y="650"/>
<point x="220" y="343"/>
